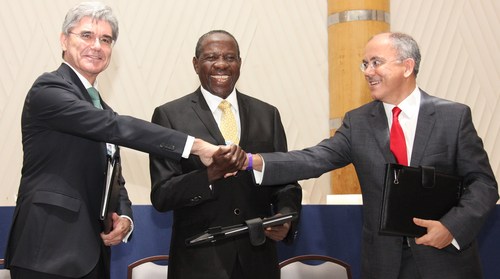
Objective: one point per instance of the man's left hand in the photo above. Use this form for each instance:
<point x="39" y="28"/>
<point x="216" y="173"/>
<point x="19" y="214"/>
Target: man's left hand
<point x="278" y="233"/>
<point x="121" y="227"/>
<point x="437" y="236"/>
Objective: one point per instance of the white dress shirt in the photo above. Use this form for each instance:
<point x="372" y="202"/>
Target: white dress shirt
<point x="110" y="147"/>
<point x="410" y="107"/>
<point x="407" y="118"/>
<point x="213" y="102"/>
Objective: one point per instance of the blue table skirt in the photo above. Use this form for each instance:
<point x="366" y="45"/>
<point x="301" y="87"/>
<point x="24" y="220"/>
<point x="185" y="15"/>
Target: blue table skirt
<point x="333" y="230"/>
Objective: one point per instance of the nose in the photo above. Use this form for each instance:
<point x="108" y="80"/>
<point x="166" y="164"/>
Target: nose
<point x="221" y="63"/>
<point x="369" y="71"/>
<point x="96" y="43"/>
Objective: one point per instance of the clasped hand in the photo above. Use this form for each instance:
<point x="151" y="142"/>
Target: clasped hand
<point x="226" y="161"/>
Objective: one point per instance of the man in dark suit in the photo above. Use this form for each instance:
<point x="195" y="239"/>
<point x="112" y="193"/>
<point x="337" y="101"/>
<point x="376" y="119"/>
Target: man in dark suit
<point x="437" y="133"/>
<point x="56" y="231"/>
<point x="198" y="199"/>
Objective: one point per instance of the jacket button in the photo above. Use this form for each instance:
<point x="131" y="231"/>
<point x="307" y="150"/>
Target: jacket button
<point x="236" y="211"/>
<point x="195" y="199"/>
<point x="167" y="146"/>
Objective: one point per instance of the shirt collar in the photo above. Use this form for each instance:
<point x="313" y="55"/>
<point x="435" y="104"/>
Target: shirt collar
<point x="409" y="106"/>
<point x="85" y="82"/>
<point x="213" y="101"/>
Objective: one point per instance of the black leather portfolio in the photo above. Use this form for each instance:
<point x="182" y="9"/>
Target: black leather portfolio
<point x="416" y="192"/>
<point x="110" y="195"/>
<point x="254" y="227"/>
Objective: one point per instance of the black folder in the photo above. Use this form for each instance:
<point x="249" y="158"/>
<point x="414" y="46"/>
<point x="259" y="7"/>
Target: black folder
<point x="218" y="233"/>
<point x="416" y="192"/>
<point x="110" y="195"/>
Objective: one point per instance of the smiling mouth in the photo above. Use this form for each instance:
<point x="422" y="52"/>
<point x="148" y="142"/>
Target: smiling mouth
<point x="221" y="78"/>
<point x="373" y="82"/>
<point x="93" y="57"/>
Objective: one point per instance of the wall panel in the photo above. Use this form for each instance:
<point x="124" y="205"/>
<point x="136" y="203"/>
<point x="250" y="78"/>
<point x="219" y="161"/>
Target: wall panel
<point x="284" y="51"/>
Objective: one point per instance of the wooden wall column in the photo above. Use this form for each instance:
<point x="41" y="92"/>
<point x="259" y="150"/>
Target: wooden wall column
<point x="350" y="24"/>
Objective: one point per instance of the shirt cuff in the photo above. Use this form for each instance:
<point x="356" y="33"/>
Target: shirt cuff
<point x="188" y="147"/>
<point x="259" y="175"/>
<point x="455" y="243"/>
<point x="125" y="239"/>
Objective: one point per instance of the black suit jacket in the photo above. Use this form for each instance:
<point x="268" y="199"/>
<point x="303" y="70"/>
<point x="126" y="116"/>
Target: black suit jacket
<point x="55" y="226"/>
<point x="446" y="139"/>
<point x="184" y="188"/>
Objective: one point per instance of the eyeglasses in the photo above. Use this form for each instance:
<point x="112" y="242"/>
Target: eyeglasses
<point x="374" y="64"/>
<point x="90" y="38"/>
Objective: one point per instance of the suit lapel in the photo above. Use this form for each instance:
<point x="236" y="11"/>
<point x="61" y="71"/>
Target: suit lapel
<point x="380" y="130"/>
<point x="79" y="89"/>
<point x="244" y="112"/>
<point x="70" y="76"/>
<point x="204" y="114"/>
<point x="425" y="125"/>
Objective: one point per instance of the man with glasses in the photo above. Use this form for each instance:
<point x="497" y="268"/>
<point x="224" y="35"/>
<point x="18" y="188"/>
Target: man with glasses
<point x="68" y="134"/>
<point x="437" y="133"/>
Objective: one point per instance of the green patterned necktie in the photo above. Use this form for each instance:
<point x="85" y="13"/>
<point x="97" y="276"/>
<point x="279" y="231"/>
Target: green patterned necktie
<point x="94" y="95"/>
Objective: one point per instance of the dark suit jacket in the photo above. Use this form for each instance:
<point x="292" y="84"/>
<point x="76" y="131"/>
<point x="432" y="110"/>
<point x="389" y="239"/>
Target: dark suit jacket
<point x="184" y="188"/>
<point x="446" y="139"/>
<point x="55" y="225"/>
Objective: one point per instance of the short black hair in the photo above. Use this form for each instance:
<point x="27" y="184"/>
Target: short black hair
<point x="197" y="51"/>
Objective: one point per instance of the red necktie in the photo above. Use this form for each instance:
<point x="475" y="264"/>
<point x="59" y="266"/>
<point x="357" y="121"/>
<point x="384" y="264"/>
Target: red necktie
<point x="398" y="144"/>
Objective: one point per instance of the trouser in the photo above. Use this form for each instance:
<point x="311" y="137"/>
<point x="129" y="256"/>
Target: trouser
<point x="408" y="268"/>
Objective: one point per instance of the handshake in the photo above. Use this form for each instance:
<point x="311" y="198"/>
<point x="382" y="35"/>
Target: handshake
<point x="224" y="161"/>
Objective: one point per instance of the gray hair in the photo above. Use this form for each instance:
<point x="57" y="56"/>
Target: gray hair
<point x="406" y="47"/>
<point x="95" y="10"/>
<point x="197" y="50"/>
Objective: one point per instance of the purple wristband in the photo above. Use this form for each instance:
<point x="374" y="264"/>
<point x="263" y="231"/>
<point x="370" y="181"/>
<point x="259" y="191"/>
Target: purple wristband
<point x="250" y="161"/>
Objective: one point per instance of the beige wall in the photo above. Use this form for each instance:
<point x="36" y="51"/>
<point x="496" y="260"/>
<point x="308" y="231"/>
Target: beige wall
<point x="284" y="50"/>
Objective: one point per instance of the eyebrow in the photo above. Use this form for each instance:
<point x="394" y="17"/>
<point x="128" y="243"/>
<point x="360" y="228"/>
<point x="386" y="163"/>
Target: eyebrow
<point x="375" y="58"/>
<point x="92" y="32"/>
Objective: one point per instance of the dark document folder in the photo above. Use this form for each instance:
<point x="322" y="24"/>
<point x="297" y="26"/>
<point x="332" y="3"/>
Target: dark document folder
<point x="219" y="233"/>
<point x="110" y="195"/>
<point x="416" y="192"/>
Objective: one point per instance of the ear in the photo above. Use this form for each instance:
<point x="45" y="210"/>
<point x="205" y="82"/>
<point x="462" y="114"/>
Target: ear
<point x="63" y="38"/>
<point x="195" y="65"/>
<point x="409" y="66"/>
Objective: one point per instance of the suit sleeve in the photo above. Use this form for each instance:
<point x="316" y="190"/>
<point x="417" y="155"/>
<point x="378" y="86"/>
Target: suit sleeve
<point x="57" y="105"/>
<point x="287" y="197"/>
<point x="311" y="162"/>
<point x="124" y="205"/>
<point x="168" y="180"/>
<point x="481" y="190"/>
